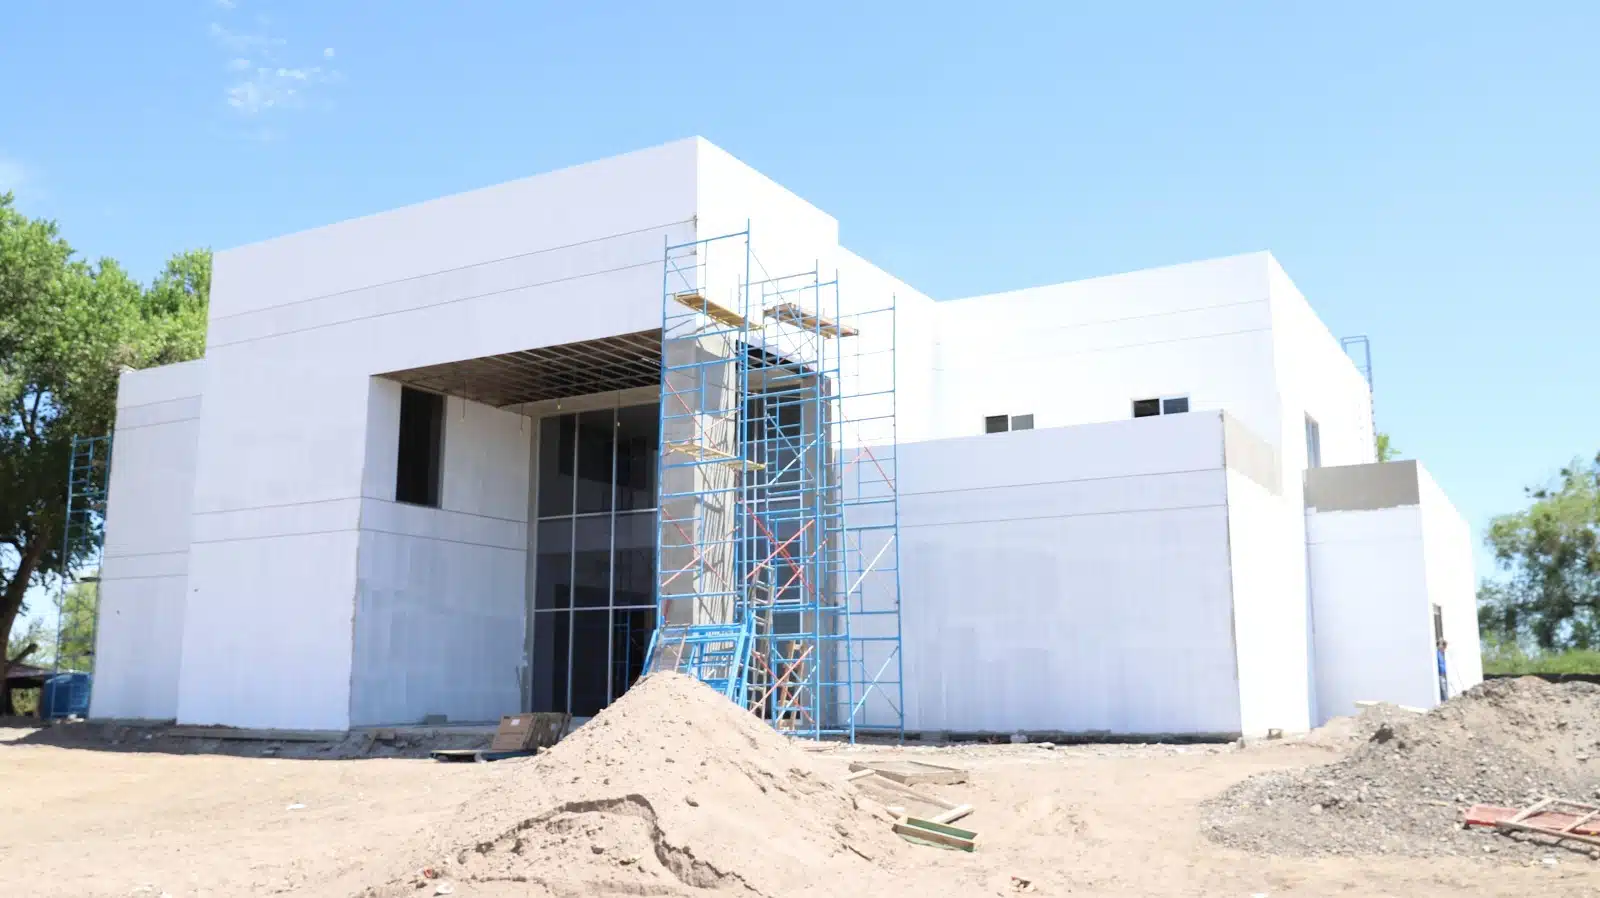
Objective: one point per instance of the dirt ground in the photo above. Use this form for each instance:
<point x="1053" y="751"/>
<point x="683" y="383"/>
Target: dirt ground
<point x="86" y="817"/>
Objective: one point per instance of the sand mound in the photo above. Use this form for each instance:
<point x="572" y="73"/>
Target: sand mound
<point x="672" y="790"/>
<point x="1403" y="789"/>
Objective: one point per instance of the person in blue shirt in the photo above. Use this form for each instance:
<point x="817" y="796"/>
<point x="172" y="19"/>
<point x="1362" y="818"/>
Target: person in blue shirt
<point x="1444" y="679"/>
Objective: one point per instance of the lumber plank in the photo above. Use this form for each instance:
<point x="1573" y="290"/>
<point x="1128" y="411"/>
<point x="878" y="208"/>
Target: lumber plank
<point x="913" y="773"/>
<point x="938" y="833"/>
<point x="893" y="786"/>
<point x="952" y="815"/>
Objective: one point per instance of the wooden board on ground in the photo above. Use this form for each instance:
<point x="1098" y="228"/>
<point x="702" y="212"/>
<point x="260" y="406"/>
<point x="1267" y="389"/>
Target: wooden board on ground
<point x="1560" y="818"/>
<point x="919" y="830"/>
<point x="912" y="773"/>
<point x="902" y="800"/>
<point x="478" y="755"/>
<point x="529" y="732"/>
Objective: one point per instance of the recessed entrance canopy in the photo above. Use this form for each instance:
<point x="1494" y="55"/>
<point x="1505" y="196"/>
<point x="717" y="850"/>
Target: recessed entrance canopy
<point x="551" y="372"/>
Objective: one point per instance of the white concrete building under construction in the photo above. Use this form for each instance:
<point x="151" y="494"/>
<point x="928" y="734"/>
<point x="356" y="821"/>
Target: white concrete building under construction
<point x="508" y="449"/>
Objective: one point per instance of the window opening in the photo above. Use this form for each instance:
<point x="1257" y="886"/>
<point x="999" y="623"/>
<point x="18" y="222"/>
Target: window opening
<point x="417" y="468"/>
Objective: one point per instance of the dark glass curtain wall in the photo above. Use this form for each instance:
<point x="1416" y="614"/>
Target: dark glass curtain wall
<point x="593" y="606"/>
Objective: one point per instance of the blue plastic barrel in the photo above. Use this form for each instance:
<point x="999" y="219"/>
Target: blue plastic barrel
<point x="66" y="695"/>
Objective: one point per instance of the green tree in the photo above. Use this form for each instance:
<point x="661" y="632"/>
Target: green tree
<point x="1549" y="556"/>
<point x="67" y="328"/>
<point x="1387" y="451"/>
<point x="74" y="643"/>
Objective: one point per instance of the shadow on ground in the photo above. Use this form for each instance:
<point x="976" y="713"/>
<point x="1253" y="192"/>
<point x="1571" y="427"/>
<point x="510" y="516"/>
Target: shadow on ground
<point x="167" y="739"/>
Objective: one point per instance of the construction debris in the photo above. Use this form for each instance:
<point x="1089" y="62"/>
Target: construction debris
<point x="519" y="736"/>
<point x="1404" y="789"/>
<point x="530" y="732"/>
<point x="1559" y="818"/>
<point x="915" y="829"/>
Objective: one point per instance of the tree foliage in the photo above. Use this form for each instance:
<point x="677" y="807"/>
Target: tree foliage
<point x="72" y="646"/>
<point x="67" y="329"/>
<point x="1387" y="451"/>
<point x="1549" y="556"/>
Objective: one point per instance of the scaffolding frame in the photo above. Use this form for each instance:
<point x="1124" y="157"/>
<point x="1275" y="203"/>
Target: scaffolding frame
<point x="778" y="562"/>
<point x="82" y="545"/>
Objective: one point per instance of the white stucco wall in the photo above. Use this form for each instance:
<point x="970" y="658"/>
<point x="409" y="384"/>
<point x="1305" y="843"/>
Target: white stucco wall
<point x="1315" y="377"/>
<point x="298" y="326"/>
<point x="1081" y="352"/>
<point x="1269" y="608"/>
<point x="440" y="600"/>
<point x="1071" y="579"/>
<point x="139" y="637"/>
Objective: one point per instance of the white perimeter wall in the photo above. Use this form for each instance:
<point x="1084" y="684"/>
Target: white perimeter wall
<point x="1374" y="637"/>
<point x="298" y="326"/>
<point x="1376" y="572"/>
<point x="1071" y="579"/>
<point x="1447" y="559"/>
<point x="139" y="638"/>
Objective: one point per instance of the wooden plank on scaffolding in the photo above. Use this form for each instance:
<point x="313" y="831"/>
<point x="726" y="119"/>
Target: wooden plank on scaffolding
<point x="702" y="452"/>
<point x="720" y="314"/>
<point x="790" y="313"/>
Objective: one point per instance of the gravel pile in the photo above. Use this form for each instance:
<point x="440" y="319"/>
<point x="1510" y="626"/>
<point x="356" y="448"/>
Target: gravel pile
<point x="1403" y="789"/>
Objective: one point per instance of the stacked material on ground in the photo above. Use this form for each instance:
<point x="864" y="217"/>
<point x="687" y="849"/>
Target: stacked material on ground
<point x="1406" y="786"/>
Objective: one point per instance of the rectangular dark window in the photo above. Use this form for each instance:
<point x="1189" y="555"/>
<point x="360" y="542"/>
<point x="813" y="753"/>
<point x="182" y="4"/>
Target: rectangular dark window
<point x="1177" y="405"/>
<point x="996" y="423"/>
<point x="1146" y="408"/>
<point x="1021" y="422"/>
<point x="417" y="470"/>
<point x="1313" y="443"/>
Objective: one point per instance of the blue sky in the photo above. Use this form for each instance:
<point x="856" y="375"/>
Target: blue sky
<point x="1428" y="173"/>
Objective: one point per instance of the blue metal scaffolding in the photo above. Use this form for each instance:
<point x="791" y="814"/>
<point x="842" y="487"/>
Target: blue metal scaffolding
<point x="778" y="557"/>
<point x="82" y="542"/>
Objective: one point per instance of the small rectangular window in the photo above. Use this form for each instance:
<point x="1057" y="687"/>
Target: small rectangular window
<point x="1163" y="405"/>
<point x="1313" y="443"/>
<point x="996" y="423"/>
<point x="421" y="438"/>
<point x="1021" y="422"/>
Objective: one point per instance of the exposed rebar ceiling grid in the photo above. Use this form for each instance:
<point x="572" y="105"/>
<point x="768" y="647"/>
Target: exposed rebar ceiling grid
<point x="551" y="372"/>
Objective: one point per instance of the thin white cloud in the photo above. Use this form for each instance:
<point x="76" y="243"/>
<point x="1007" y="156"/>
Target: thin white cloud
<point x="225" y="4"/>
<point x="265" y="74"/>
<point x="280" y="88"/>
